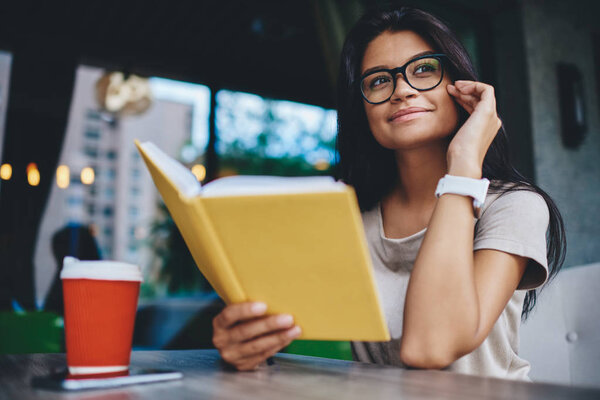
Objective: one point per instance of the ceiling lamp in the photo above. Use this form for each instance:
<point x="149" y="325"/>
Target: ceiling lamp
<point x="123" y="95"/>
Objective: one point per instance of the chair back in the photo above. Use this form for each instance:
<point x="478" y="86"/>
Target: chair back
<point x="561" y="337"/>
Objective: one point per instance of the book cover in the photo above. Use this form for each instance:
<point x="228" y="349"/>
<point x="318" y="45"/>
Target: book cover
<point x="301" y="251"/>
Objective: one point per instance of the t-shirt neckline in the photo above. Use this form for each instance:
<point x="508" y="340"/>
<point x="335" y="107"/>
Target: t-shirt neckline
<point x="412" y="237"/>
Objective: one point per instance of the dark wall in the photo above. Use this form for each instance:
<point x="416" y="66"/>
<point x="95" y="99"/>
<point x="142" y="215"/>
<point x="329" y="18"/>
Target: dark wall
<point x="268" y="47"/>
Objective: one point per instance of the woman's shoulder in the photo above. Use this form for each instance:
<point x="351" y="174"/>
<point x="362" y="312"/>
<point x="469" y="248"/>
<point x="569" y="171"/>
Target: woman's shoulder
<point x="516" y="203"/>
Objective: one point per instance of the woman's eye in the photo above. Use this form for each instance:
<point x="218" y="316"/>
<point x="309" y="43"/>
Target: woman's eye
<point x="379" y="82"/>
<point x="424" y="68"/>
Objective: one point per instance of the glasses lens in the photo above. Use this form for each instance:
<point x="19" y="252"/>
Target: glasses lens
<point x="378" y="87"/>
<point x="424" y="73"/>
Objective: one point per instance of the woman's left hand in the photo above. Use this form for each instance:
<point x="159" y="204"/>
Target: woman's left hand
<point x="470" y="144"/>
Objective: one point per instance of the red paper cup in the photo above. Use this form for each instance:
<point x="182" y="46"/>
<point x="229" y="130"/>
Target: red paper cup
<point x="100" y="300"/>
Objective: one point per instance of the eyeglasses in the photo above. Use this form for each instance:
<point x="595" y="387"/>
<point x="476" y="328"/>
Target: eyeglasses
<point x="421" y="73"/>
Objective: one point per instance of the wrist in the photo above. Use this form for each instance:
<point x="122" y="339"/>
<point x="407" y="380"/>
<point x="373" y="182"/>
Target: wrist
<point x="465" y="186"/>
<point x="465" y="170"/>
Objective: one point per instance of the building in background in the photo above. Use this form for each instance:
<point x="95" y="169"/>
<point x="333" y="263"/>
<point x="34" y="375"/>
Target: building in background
<point x="5" y="62"/>
<point x="107" y="186"/>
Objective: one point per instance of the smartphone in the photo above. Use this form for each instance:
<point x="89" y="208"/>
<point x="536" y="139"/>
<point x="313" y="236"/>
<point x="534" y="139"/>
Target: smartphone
<point x="64" y="381"/>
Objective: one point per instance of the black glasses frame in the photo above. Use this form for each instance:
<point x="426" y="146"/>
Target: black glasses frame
<point x="402" y="70"/>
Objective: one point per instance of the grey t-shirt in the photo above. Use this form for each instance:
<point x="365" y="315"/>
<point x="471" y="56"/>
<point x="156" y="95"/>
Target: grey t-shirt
<point x="515" y="223"/>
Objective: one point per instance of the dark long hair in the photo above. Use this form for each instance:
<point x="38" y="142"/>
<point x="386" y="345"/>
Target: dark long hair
<point x="371" y="169"/>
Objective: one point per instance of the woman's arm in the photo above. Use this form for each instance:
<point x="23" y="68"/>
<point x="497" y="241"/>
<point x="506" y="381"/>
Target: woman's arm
<point x="455" y="295"/>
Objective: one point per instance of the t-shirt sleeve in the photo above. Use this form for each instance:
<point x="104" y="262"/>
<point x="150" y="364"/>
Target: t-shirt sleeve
<point x="516" y="223"/>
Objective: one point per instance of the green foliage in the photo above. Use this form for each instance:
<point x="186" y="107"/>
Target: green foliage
<point x="178" y="269"/>
<point x="31" y="332"/>
<point x="248" y="164"/>
<point x="242" y="153"/>
<point x="321" y="348"/>
<point x="281" y="148"/>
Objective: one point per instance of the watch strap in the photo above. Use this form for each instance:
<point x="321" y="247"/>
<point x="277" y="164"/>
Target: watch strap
<point x="475" y="188"/>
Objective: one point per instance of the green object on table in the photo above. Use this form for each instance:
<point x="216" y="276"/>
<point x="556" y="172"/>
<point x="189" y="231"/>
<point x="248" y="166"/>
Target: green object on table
<point x="31" y="332"/>
<point x="321" y="348"/>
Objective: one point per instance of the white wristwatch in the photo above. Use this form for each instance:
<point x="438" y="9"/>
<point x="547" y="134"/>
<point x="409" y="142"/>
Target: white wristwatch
<point x="475" y="188"/>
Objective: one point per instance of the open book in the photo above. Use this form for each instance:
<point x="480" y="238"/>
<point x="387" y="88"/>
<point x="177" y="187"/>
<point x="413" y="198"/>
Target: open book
<point x="296" y="244"/>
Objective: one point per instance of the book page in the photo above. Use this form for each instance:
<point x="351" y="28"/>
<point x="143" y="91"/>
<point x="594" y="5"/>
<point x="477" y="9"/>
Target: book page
<point x="177" y="173"/>
<point x="259" y="185"/>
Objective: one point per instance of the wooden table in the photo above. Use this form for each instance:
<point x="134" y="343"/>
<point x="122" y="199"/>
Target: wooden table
<point x="291" y="377"/>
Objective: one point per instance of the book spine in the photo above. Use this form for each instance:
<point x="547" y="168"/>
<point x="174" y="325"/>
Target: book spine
<point x="213" y="263"/>
<point x="198" y="233"/>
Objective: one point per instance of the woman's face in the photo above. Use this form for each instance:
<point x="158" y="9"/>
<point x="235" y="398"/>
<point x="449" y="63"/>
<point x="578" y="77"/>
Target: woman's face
<point x="433" y="114"/>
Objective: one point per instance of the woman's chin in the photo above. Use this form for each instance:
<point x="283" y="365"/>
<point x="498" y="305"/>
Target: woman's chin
<point x="411" y="139"/>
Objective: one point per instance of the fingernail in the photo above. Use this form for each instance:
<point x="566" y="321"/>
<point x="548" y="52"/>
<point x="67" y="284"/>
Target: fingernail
<point x="258" y="308"/>
<point x="285" y="320"/>
<point x="294" y="332"/>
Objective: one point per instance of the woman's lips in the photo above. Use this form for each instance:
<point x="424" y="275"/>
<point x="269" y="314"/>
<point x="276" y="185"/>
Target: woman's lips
<point x="408" y="114"/>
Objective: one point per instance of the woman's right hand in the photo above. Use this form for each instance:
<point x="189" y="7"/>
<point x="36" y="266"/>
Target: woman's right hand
<point x="245" y="336"/>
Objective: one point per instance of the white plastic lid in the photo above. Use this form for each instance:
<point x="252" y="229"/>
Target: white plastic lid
<point x="101" y="270"/>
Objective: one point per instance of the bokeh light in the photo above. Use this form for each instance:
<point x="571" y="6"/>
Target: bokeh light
<point x="63" y="176"/>
<point x="33" y="174"/>
<point x="199" y="171"/>
<point x="6" y="171"/>
<point x="87" y="176"/>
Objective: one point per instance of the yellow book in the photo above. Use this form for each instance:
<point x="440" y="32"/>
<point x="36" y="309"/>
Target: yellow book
<point x="297" y="244"/>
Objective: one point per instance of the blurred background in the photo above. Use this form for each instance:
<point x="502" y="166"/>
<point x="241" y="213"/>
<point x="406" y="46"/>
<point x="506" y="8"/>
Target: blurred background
<point x="236" y="87"/>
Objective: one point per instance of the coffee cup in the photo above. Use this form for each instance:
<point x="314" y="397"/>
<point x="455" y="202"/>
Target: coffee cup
<point x="100" y="300"/>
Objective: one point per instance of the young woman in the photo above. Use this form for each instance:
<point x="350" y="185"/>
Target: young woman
<point x="456" y="262"/>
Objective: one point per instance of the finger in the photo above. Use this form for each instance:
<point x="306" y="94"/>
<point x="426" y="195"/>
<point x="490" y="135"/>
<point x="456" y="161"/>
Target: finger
<point x="250" y="366"/>
<point x="252" y="363"/>
<point x="466" y="93"/>
<point x="469" y="101"/>
<point x="261" y="326"/>
<point x="235" y="313"/>
<point x="474" y="100"/>
<point x="469" y="86"/>
<point x="264" y="343"/>
<point x="484" y="94"/>
<point x="463" y="101"/>
<point x="478" y="89"/>
<point x="468" y="108"/>
<point x="461" y="91"/>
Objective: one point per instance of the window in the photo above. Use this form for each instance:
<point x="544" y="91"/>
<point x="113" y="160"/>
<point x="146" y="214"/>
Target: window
<point x="273" y="137"/>
<point x="91" y="151"/>
<point x="93" y="114"/>
<point x="108" y="211"/>
<point x="92" y="133"/>
<point x="255" y="136"/>
<point x="75" y="201"/>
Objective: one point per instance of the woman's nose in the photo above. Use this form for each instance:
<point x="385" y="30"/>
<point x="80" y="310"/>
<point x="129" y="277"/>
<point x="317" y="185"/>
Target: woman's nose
<point x="403" y="90"/>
